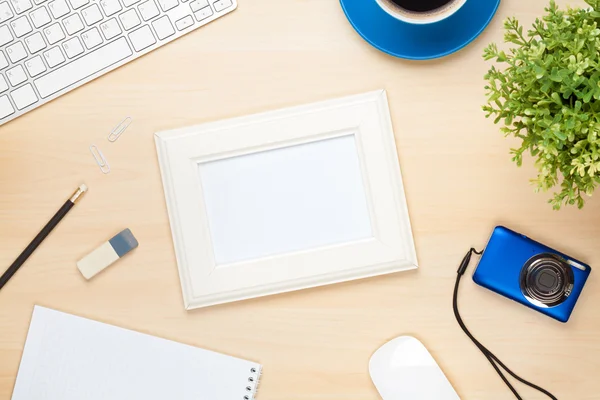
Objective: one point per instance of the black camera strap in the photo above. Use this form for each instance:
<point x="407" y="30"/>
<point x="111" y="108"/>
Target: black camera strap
<point x="496" y="363"/>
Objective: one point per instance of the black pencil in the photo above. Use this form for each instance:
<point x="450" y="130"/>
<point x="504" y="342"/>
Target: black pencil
<point x="60" y="214"/>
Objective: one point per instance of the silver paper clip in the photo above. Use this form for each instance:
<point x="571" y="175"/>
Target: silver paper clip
<point x="100" y="159"/>
<point x="119" y="129"/>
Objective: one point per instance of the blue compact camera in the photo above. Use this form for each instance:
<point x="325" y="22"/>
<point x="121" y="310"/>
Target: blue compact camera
<point x="532" y="274"/>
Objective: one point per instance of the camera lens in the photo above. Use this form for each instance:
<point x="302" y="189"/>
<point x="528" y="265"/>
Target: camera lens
<point x="547" y="280"/>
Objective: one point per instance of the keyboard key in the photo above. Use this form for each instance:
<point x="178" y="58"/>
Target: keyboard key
<point x="184" y="23"/>
<point x="35" y="66"/>
<point x="163" y="27"/>
<point x="83" y="67"/>
<point x="58" y="8"/>
<point x="40" y="17"/>
<point x="110" y="7"/>
<point x="35" y="43"/>
<point x="129" y="3"/>
<point x="73" y="24"/>
<point x="73" y="47"/>
<point x="197" y="5"/>
<point x="54" y="57"/>
<point x="130" y="19"/>
<point x="142" y="38"/>
<point x="21" y="26"/>
<point x="54" y="33"/>
<point x="91" y="38"/>
<point x="3" y="84"/>
<point x="21" y="6"/>
<point x="91" y="14"/>
<point x="3" y="61"/>
<point x="5" y="12"/>
<point x="38" y="2"/>
<point x="220" y="5"/>
<point x="6" y="108"/>
<point x="5" y="35"/>
<point x="16" y="75"/>
<point x="77" y="4"/>
<point x="203" y="14"/>
<point x="166" y="5"/>
<point x="110" y="29"/>
<point x="16" y="52"/>
<point x="24" y="96"/>
<point x="148" y="10"/>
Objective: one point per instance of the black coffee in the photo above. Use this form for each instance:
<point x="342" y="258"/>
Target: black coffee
<point x="421" y="5"/>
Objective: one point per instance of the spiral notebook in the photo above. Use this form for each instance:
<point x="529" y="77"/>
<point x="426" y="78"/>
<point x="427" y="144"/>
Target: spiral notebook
<point x="73" y="358"/>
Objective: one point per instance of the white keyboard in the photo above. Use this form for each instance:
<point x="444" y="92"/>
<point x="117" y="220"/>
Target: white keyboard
<point x="49" y="47"/>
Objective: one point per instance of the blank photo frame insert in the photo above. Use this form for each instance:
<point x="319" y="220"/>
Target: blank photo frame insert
<point x="286" y="200"/>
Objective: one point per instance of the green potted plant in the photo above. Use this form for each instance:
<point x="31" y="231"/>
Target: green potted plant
<point x="547" y="96"/>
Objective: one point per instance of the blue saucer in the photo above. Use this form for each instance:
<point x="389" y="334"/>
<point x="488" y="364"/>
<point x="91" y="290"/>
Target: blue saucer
<point x="419" y="42"/>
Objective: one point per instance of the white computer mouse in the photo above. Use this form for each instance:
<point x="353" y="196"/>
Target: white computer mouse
<point x="403" y="369"/>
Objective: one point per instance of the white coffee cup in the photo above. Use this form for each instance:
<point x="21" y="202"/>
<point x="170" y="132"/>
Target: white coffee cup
<point x="395" y="9"/>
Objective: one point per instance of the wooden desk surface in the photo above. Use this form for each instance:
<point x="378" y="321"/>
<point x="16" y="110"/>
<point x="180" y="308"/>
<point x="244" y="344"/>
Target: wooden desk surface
<point x="314" y="344"/>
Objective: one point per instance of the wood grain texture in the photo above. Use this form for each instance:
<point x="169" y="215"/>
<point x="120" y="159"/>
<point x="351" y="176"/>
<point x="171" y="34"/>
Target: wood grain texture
<point x="314" y="344"/>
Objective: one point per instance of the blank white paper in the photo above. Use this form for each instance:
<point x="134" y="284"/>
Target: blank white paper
<point x="284" y="200"/>
<point x="72" y="358"/>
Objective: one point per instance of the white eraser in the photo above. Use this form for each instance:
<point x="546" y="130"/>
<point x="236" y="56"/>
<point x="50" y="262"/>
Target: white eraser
<point x="105" y="255"/>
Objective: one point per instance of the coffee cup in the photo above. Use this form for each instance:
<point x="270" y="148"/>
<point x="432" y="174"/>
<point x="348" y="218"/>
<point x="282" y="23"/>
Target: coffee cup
<point x="421" y="11"/>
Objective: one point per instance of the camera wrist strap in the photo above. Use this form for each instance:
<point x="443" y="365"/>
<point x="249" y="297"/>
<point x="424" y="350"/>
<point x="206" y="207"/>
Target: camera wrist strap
<point x="494" y="361"/>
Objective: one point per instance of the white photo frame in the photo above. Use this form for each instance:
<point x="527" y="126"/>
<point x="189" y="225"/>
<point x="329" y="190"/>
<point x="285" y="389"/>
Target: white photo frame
<point x="286" y="200"/>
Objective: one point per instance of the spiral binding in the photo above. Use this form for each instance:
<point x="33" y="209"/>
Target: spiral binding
<point x="253" y="382"/>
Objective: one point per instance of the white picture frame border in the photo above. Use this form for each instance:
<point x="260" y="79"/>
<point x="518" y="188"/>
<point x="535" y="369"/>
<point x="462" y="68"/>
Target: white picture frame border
<point x="367" y="117"/>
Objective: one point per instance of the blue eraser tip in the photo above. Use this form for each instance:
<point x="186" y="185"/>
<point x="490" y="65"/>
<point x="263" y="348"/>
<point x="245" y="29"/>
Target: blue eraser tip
<point x="123" y="242"/>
